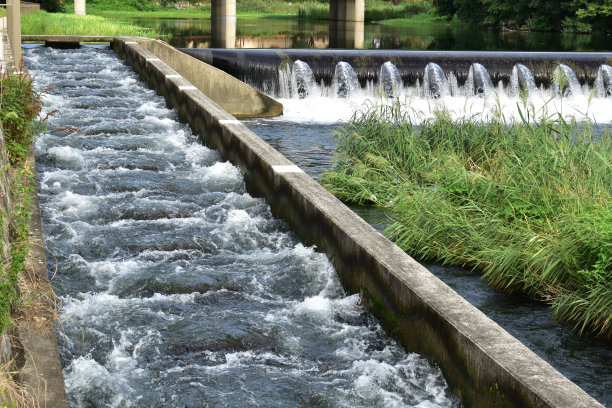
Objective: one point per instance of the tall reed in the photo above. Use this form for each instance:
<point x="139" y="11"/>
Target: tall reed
<point x="529" y="205"/>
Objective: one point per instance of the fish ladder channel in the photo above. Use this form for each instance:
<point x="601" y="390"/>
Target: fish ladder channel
<point x="179" y="289"/>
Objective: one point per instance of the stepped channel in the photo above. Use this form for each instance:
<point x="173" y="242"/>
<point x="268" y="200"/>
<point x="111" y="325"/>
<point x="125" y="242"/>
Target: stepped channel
<point x="178" y="288"/>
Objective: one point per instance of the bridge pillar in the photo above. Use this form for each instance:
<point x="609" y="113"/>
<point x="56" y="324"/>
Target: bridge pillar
<point x="223" y="23"/>
<point x="13" y="14"/>
<point x="347" y="10"/>
<point x="79" y="7"/>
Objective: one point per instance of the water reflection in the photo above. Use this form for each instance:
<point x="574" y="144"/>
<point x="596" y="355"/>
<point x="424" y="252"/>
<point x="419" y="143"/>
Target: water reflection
<point x="346" y="34"/>
<point x="223" y="32"/>
<point x="293" y="33"/>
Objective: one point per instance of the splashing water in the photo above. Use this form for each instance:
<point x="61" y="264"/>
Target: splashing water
<point x="344" y="82"/>
<point x="177" y="287"/>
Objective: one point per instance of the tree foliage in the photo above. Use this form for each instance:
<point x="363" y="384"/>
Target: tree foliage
<point x="554" y="15"/>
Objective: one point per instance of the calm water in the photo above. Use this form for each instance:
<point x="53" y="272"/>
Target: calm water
<point x="292" y="33"/>
<point x="179" y="289"/>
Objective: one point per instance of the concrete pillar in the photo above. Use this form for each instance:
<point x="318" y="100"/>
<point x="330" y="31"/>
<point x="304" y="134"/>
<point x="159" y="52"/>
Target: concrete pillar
<point x="223" y="23"/>
<point x="13" y="14"/>
<point x="347" y="10"/>
<point x="223" y="9"/>
<point x="80" y="7"/>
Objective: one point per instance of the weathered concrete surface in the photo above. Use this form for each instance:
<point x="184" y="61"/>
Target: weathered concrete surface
<point x="80" y="7"/>
<point x="42" y="371"/>
<point x="34" y="339"/>
<point x="347" y="10"/>
<point x="13" y="14"/>
<point x="234" y="96"/>
<point x="484" y="365"/>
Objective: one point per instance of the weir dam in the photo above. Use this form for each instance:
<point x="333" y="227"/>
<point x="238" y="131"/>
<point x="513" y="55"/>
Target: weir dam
<point x="182" y="286"/>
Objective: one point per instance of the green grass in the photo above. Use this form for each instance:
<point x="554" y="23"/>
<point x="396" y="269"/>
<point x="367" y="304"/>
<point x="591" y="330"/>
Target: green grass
<point x="2" y="11"/>
<point x="375" y="10"/>
<point x="527" y="205"/>
<point x="306" y="9"/>
<point x="245" y="8"/>
<point x="424" y="18"/>
<point x="42" y="22"/>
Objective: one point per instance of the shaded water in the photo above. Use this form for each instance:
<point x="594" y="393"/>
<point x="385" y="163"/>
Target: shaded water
<point x="293" y="33"/>
<point x="178" y="288"/>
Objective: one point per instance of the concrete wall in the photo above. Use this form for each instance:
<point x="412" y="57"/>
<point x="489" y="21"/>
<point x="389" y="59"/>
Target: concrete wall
<point x="234" y="96"/>
<point x="484" y="365"/>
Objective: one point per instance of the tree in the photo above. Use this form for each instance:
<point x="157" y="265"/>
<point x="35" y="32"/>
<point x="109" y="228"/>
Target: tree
<point x="596" y="12"/>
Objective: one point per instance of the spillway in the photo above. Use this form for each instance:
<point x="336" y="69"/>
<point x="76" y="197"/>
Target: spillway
<point x="178" y="288"/>
<point x="479" y="85"/>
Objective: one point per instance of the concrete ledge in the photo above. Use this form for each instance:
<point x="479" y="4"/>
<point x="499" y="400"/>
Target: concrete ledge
<point x="231" y="94"/>
<point x="42" y="372"/>
<point x="67" y="38"/>
<point x="484" y="365"/>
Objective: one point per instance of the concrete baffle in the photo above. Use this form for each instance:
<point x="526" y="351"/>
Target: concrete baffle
<point x="347" y="10"/>
<point x="80" y="7"/>
<point x="13" y="11"/>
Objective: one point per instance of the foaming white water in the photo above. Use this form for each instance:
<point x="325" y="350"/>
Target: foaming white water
<point x="494" y="105"/>
<point x="88" y="380"/>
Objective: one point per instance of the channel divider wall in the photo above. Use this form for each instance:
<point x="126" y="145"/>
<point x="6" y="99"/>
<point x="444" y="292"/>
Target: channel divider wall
<point x="484" y="365"/>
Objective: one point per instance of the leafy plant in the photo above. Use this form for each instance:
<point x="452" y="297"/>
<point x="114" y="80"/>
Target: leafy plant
<point x="20" y="113"/>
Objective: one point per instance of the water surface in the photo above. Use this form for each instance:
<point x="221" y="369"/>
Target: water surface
<point x="293" y="33"/>
<point x="176" y="287"/>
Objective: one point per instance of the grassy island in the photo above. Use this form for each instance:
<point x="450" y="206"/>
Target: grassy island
<point x="528" y="205"/>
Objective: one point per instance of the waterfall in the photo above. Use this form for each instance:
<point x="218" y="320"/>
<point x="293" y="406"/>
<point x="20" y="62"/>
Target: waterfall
<point x="603" y="81"/>
<point x="344" y="82"/>
<point x="522" y="80"/>
<point x="390" y="80"/>
<point x="435" y="84"/>
<point x="479" y="80"/>
<point x="303" y="80"/>
<point x="565" y="81"/>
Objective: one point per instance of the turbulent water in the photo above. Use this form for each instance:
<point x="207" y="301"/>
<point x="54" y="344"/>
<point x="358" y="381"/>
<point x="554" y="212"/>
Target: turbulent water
<point x="179" y="289"/>
<point x="497" y="101"/>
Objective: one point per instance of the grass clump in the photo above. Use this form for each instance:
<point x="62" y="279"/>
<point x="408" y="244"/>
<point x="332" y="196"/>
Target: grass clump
<point x="20" y="114"/>
<point x="43" y="23"/>
<point x="20" y="107"/>
<point x="529" y="205"/>
<point x="375" y="10"/>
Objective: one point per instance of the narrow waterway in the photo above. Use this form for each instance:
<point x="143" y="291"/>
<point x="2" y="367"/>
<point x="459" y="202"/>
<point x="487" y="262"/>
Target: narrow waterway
<point x="176" y="287"/>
